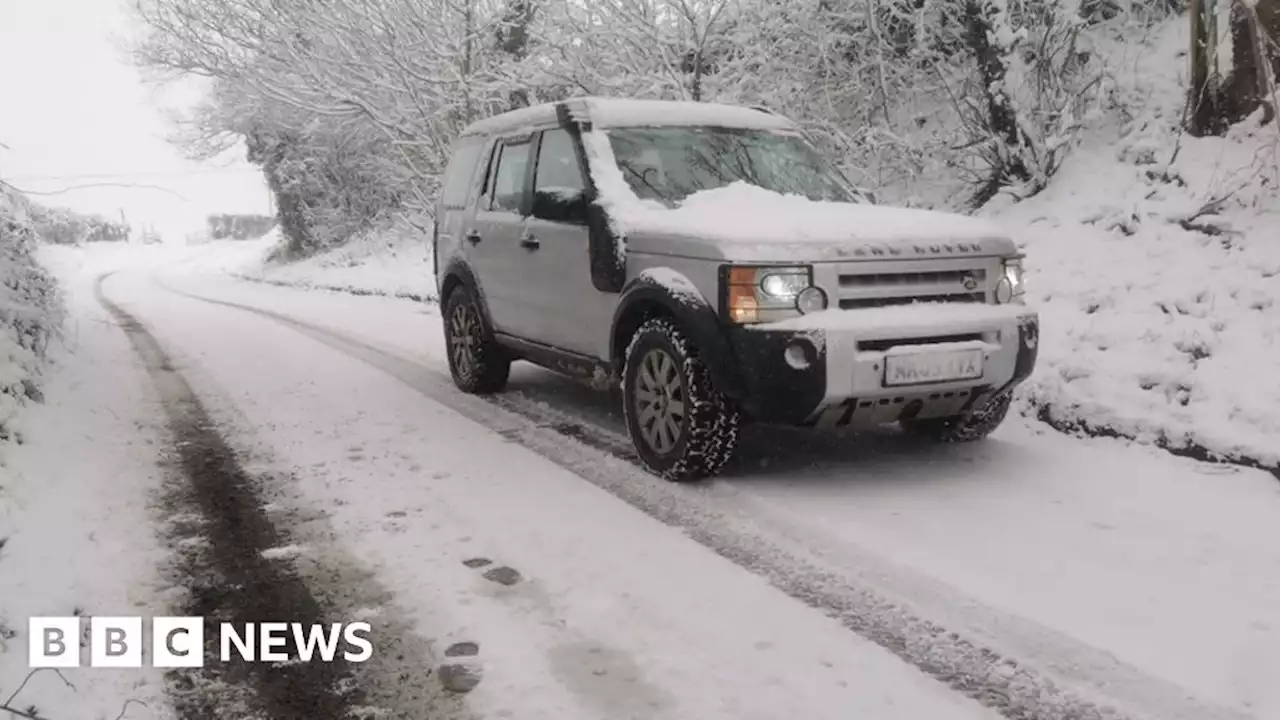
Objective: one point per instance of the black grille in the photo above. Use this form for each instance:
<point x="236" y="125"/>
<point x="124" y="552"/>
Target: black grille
<point x="935" y="277"/>
<point x="879" y="345"/>
<point x="872" y="302"/>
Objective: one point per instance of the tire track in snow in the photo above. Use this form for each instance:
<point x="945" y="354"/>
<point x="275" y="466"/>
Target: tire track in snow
<point x="231" y="561"/>
<point x="345" y="289"/>
<point x="1018" y="690"/>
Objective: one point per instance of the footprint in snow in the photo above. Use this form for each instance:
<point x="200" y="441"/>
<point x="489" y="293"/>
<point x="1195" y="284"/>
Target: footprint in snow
<point x="393" y="524"/>
<point x="464" y="672"/>
<point x="459" y="678"/>
<point x="503" y="575"/>
<point x="462" y="649"/>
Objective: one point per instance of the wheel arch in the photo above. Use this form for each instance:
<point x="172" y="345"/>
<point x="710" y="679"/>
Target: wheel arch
<point x="645" y="298"/>
<point x="459" y="274"/>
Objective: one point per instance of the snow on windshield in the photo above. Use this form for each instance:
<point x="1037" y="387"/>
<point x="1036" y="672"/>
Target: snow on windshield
<point x="668" y="164"/>
<point x="694" y="178"/>
<point x="747" y="213"/>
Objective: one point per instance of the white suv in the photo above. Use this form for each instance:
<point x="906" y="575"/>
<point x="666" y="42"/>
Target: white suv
<point x="711" y="261"/>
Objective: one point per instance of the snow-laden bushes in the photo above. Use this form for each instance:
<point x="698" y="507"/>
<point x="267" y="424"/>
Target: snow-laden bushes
<point x="59" y="226"/>
<point x="30" y="311"/>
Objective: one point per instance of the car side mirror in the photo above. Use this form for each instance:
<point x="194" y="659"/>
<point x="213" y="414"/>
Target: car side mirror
<point x="563" y="205"/>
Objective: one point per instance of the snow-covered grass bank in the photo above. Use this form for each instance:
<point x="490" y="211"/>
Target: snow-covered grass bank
<point x="1155" y="260"/>
<point x="76" y="537"/>
<point x="394" y="262"/>
<point x="76" y="462"/>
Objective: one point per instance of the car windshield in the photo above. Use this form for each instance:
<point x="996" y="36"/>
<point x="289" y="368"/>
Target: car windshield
<point x="668" y="164"/>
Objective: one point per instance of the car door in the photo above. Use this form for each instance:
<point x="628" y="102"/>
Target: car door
<point x="455" y="213"/>
<point x="495" y="252"/>
<point x="571" y="313"/>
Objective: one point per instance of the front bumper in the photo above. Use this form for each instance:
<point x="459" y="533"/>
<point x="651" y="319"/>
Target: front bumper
<point x="835" y="375"/>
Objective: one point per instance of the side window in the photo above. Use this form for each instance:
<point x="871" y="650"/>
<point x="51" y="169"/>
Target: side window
<point x="559" y="190"/>
<point x="508" y="180"/>
<point x="460" y="172"/>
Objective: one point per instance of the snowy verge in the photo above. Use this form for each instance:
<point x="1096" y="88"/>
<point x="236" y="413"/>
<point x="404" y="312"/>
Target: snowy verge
<point x="1153" y="259"/>
<point x="76" y="534"/>
<point x="394" y="261"/>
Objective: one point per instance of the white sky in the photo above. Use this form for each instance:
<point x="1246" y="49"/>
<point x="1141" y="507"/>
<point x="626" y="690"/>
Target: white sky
<point x="73" y="111"/>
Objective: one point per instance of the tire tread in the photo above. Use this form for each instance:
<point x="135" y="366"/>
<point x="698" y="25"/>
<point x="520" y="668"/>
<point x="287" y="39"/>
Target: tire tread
<point x="964" y="429"/>
<point x="493" y="366"/>
<point x="713" y="420"/>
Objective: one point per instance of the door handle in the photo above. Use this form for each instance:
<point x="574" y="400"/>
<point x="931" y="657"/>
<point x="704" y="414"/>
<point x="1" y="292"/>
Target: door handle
<point x="530" y="242"/>
<point x="473" y="236"/>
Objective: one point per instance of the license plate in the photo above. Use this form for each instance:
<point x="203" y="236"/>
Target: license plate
<point x="932" y="367"/>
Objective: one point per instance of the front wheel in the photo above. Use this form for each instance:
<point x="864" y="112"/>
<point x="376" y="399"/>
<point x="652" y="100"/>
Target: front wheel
<point x="957" y="430"/>
<point x="682" y="427"/>
<point x="479" y="365"/>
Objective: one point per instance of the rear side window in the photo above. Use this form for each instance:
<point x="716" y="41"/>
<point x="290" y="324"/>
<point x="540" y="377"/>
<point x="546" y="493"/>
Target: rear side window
<point x="461" y="170"/>
<point x="509" y="180"/>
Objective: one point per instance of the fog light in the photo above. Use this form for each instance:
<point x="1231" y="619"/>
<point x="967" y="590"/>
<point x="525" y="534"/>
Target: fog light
<point x="811" y="300"/>
<point x="796" y="357"/>
<point x="1004" y="290"/>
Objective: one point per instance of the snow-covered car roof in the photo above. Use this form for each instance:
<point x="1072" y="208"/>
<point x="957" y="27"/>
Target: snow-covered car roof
<point x="623" y="112"/>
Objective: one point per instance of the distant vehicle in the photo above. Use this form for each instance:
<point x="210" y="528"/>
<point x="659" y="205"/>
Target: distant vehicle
<point x="708" y="259"/>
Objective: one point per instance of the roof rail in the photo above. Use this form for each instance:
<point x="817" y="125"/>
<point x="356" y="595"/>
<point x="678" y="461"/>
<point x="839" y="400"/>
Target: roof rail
<point x="763" y="109"/>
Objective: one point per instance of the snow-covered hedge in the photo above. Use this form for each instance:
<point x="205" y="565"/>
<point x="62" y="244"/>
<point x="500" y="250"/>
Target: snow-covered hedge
<point x="60" y="226"/>
<point x="30" y="311"/>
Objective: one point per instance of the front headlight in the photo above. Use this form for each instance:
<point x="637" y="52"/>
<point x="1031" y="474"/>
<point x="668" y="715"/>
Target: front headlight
<point x="1010" y="287"/>
<point x="755" y="294"/>
<point x="783" y="285"/>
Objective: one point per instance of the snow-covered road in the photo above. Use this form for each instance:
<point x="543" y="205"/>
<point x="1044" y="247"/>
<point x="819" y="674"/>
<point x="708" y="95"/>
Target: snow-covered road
<point x="826" y="576"/>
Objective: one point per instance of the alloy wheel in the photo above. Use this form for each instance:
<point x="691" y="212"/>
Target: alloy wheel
<point x="464" y="337"/>
<point x="660" y="408"/>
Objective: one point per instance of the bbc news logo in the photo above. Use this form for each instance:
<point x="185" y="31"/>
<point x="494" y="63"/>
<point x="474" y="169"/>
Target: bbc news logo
<point x="178" y="642"/>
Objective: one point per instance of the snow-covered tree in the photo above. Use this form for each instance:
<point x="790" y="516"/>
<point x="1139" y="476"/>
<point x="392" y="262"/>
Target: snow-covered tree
<point x="351" y="106"/>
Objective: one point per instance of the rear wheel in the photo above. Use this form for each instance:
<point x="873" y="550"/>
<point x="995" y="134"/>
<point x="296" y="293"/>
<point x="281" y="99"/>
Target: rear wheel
<point x="479" y="365"/>
<point x="682" y="427"/>
<point x="960" y="429"/>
